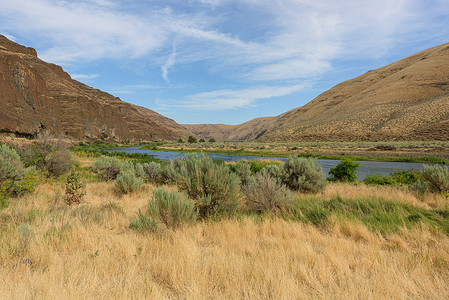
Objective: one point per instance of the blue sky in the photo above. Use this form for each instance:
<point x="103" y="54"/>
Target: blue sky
<point x="222" y="61"/>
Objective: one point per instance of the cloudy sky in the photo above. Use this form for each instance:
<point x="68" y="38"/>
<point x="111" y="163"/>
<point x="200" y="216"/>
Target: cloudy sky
<point x="222" y="61"/>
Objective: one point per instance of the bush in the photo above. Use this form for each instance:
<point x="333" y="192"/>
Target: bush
<point x="267" y="194"/>
<point x="27" y="183"/>
<point x="408" y="177"/>
<point x="75" y="189"/>
<point x="405" y="177"/>
<point x="142" y="223"/>
<point x="172" y="208"/>
<point x="275" y="171"/>
<point x="202" y="141"/>
<point x="303" y="174"/>
<point x="345" y="171"/>
<point x="15" y="180"/>
<point x="436" y="178"/>
<point x="243" y="171"/>
<point x="127" y="182"/>
<point x="152" y="172"/>
<point x="211" y="140"/>
<point x="212" y="186"/>
<point x="377" y="179"/>
<point x="48" y="154"/>
<point x="11" y="168"/>
<point x="191" y="139"/>
<point x="107" y="167"/>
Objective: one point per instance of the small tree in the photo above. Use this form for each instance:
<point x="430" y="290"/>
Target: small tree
<point x="345" y="171"/>
<point x="191" y="139"/>
<point x="211" y="140"/>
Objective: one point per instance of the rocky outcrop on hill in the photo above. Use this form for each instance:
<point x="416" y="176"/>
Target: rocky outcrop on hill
<point x="35" y="95"/>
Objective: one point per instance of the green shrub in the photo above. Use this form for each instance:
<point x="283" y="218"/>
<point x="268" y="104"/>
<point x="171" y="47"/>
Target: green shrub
<point x="152" y="172"/>
<point x="266" y="194"/>
<point x="275" y="171"/>
<point x="15" y="180"/>
<point x="48" y="154"/>
<point x="436" y="178"/>
<point x="27" y="183"/>
<point x="243" y="171"/>
<point x="202" y="141"/>
<point x="142" y="223"/>
<point x="107" y="167"/>
<point x="11" y="168"/>
<point x="377" y="179"/>
<point x="405" y="177"/>
<point x="211" y="140"/>
<point x="75" y="189"/>
<point x="303" y="174"/>
<point x="408" y="177"/>
<point x="191" y="139"/>
<point x="212" y="186"/>
<point x="345" y="171"/>
<point x="127" y="182"/>
<point x="172" y="208"/>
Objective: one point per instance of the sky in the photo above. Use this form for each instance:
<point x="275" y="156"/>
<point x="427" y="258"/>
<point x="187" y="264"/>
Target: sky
<point x="222" y="61"/>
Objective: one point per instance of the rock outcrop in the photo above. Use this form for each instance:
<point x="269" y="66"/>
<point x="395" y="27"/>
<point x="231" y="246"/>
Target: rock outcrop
<point x="35" y="95"/>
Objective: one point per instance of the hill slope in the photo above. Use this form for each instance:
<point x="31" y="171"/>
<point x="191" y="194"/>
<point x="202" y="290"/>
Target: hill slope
<point x="36" y="95"/>
<point x="406" y="100"/>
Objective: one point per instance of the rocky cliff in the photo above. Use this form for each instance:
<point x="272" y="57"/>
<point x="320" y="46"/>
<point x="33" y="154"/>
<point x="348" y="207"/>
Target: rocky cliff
<point x="35" y="95"/>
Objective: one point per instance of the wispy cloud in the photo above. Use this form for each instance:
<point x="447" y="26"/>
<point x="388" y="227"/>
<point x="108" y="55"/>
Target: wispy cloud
<point x="169" y="63"/>
<point x="84" y="76"/>
<point x="232" y="99"/>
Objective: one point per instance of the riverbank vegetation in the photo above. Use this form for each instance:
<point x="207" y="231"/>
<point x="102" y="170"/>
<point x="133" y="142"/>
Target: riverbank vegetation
<point x="121" y="226"/>
<point x="400" y="151"/>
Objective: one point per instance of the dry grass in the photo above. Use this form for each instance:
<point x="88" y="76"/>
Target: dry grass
<point x="88" y="251"/>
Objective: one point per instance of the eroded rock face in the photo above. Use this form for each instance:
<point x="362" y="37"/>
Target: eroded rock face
<point x="35" y="95"/>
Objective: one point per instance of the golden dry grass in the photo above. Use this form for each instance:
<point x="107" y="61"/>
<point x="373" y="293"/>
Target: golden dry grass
<point x="88" y="251"/>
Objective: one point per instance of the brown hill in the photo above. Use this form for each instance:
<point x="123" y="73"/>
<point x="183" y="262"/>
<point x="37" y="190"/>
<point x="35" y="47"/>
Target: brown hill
<point x="36" y="95"/>
<point x="406" y="100"/>
<point x="250" y="130"/>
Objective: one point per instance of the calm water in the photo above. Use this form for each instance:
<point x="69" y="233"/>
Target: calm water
<point x="383" y="168"/>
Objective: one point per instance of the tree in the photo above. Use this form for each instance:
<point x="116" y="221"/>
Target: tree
<point x="192" y="139"/>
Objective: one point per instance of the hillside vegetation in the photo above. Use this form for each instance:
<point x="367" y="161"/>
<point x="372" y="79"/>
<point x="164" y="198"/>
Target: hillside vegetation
<point x="405" y="100"/>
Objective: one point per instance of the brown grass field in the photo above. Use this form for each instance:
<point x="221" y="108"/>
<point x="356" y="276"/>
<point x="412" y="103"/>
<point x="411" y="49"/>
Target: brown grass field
<point x="89" y="252"/>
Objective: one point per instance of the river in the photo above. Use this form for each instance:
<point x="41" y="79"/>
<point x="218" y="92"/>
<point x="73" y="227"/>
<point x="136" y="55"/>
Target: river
<point x="366" y="167"/>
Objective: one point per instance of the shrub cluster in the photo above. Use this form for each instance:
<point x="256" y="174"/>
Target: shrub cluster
<point x="433" y="179"/>
<point x="48" y="154"/>
<point x="345" y="171"/>
<point x="15" y="179"/>
<point x="266" y="194"/>
<point x="303" y="175"/>
<point x="171" y="208"/>
<point x="212" y="186"/>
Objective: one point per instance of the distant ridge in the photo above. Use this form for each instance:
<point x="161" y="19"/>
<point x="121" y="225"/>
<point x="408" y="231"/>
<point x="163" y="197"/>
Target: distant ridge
<point x="405" y="100"/>
<point x="35" y="95"/>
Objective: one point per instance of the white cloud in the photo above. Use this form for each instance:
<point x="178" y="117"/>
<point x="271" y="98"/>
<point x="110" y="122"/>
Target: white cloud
<point x="84" y="76"/>
<point x="231" y="99"/>
<point x="168" y="64"/>
<point x="287" y="40"/>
